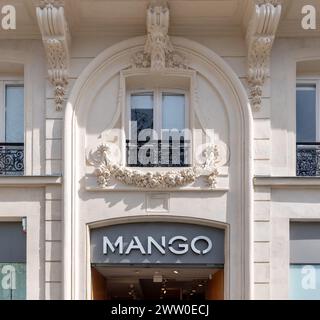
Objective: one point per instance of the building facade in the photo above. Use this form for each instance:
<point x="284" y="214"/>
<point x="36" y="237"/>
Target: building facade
<point x="160" y="149"/>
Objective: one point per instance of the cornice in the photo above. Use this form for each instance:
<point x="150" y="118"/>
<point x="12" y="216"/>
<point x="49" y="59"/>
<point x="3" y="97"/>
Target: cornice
<point x="313" y="182"/>
<point x="30" y="181"/>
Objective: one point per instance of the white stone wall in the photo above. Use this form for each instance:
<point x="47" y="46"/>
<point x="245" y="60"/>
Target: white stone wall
<point x="53" y="243"/>
<point x="262" y="242"/>
<point x="274" y="153"/>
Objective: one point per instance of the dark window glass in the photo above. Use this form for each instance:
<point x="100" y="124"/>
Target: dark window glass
<point x="306" y="113"/>
<point x="146" y="149"/>
<point x="14" y="114"/>
<point x="12" y="261"/>
<point x="141" y="112"/>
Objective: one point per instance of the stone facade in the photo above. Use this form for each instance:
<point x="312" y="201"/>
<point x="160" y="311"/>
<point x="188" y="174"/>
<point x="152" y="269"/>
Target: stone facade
<point x="241" y="85"/>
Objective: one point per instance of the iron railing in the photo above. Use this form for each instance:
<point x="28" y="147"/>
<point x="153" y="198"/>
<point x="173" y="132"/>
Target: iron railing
<point x="157" y="153"/>
<point x="308" y="159"/>
<point x="11" y="159"/>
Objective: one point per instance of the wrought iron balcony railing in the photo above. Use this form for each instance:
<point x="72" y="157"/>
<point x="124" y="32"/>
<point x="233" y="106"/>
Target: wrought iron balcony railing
<point x="308" y="159"/>
<point x="11" y="159"/>
<point x="157" y="153"/>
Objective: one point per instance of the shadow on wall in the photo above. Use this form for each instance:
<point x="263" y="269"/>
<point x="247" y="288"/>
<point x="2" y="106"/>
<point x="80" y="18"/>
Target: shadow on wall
<point x="138" y="199"/>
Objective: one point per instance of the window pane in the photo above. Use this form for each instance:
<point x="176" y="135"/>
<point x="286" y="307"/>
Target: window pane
<point x="14" y="114"/>
<point x="12" y="261"/>
<point x="13" y="281"/>
<point x="306" y="113"/>
<point x="173" y="111"/>
<point x="142" y="111"/>
<point x="304" y="282"/>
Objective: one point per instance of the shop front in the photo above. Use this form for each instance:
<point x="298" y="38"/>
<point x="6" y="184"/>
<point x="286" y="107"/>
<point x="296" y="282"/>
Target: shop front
<point x="158" y="260"/>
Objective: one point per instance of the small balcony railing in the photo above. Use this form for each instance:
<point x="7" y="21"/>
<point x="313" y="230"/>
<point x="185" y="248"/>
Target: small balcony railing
<point x="11" y="159"/>
<point x="160" y="153"/>
<point x="308" y="159"/>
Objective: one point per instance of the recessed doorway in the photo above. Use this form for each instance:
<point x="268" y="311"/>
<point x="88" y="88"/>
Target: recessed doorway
<point x="152" y="283"/>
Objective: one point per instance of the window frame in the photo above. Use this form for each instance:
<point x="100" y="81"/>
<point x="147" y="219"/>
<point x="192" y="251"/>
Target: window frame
<point x="312" y="81"/>
<point x="157" y="107"/>
<point x="157" y="116"/>
<point x="4" y="82"/>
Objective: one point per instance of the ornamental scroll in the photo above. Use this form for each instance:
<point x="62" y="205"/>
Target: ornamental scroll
<point x="106" y="169"/>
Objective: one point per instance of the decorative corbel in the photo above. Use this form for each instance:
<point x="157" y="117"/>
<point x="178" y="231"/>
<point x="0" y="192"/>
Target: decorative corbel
<point x="260" y="37"/>
<point x="56" y="40"/>
<point x="158" y="44"/>
<point x="158" y="53"/>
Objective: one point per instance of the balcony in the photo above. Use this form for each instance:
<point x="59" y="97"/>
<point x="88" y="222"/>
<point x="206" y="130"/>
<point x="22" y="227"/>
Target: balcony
<point x="11" y="159"/>
<point x="158" y="153"/>
<point x="308" y="159"/>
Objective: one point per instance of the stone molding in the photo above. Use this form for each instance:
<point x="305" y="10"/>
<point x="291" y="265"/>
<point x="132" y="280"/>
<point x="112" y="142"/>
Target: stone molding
<point x="260" y="37"/>
<point x="101" y="159"/>
<point x="56" y="40"/>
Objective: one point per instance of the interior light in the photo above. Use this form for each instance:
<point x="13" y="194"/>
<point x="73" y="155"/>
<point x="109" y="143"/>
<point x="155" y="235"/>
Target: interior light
<point x="176" y="271"/>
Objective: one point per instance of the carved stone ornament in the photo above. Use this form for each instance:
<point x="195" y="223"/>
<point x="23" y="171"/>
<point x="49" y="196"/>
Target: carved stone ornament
<point x="158" y="53"/>
<point x="56" y="38"/>
<point x="260" y="37"/>
<point x="106" y="169"/>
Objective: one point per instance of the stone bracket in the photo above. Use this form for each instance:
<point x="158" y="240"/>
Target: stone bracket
<point x="260" y="37"/>
<point x="56" y="40"/>
<point x="158" y="53"/>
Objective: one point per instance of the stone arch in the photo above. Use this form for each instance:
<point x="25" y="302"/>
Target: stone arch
<point x="201" y="58"/>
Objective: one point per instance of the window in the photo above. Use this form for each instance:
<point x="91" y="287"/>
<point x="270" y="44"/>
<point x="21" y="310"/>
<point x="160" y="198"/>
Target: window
<point x="11" y="128"/>
<point x="307" y="113"/>
<point x="157" y="134"/>
<point x="12" y="261"/>
<point x="304" y="260"/>
<point x="14" y="120"/>
<point x="308" y="127"/>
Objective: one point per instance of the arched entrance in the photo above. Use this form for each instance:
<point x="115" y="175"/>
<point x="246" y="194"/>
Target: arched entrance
<point x="153" y="259"/>
<point x="231" y="205"/>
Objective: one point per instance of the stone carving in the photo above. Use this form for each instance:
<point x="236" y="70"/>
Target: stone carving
<point x="260" y="37"/>
<point x="106" y="169"/>
<point x="211" y="154"/>
<point x="57" y="3"/>
<point x="158" y="52"/>
<point x="56" y="38"/>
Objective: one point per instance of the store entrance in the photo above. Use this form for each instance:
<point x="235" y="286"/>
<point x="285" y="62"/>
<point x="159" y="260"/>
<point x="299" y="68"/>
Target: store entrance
<point x="149" y="283"/>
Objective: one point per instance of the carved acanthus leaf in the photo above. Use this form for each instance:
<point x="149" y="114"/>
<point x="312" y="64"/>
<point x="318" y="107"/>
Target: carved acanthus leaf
<point x="158" y="52"/>
<point x="56" y="39"/>
<point x="106" y="169"/>
<point x="260" y="37"/>
<point x="55" y="3"/>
